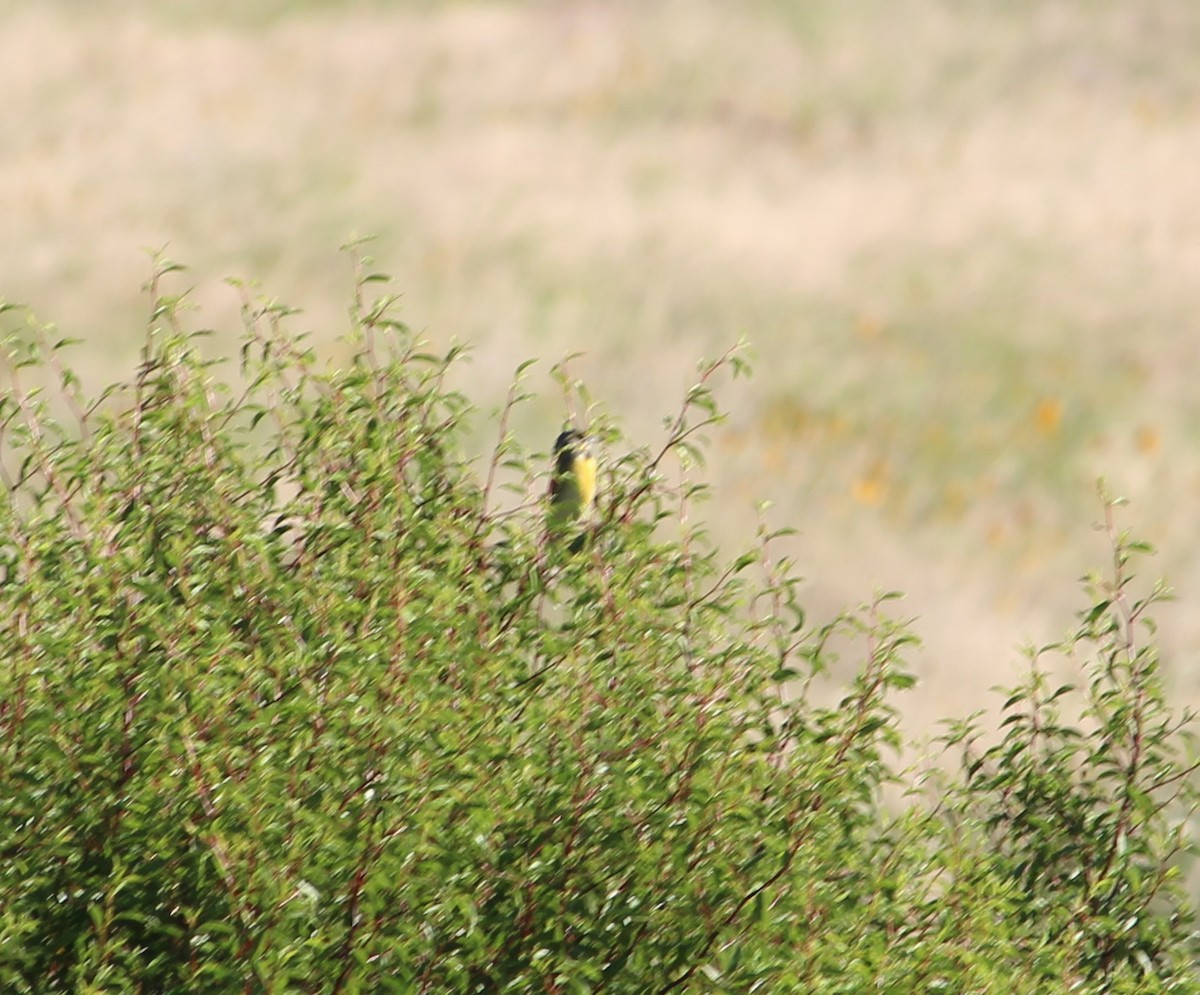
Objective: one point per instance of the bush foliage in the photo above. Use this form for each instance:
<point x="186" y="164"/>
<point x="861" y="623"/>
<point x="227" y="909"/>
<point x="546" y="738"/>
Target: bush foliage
<point x="290" y="705"/>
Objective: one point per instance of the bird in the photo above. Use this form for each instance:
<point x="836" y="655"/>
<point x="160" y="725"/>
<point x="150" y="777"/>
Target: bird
<point x="572" y="485"/>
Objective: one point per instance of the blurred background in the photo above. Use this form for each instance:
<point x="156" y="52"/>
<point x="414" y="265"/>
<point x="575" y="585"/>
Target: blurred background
<point x="963" y="239"/>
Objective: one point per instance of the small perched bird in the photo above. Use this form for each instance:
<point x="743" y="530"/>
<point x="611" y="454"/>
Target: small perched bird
<point x="573" y="484"/>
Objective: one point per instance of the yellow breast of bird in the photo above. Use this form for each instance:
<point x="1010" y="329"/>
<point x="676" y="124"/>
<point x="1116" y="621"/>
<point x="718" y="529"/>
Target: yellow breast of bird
<point x="585" y="478"/>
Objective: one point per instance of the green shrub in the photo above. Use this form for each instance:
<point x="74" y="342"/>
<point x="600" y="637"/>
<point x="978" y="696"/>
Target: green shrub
<point x="289" y="706"/>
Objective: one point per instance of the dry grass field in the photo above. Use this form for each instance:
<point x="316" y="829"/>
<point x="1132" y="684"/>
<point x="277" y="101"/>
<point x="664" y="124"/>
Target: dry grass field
<point x="963" y="239"/>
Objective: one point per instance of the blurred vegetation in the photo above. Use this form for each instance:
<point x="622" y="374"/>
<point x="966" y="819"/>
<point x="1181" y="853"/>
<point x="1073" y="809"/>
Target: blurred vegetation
<point x="290" y="704"/>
